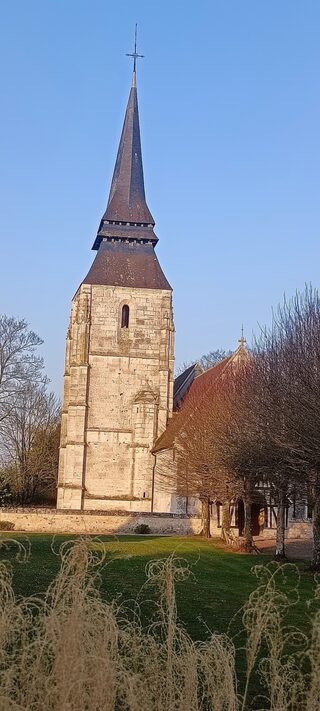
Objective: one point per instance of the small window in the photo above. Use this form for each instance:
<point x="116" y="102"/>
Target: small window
<point x="125" y="316"/>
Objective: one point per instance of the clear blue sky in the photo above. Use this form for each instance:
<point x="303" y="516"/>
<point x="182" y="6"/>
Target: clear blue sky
<point x="230" y="115"/>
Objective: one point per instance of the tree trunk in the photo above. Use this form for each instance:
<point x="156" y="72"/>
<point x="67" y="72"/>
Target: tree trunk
<point x="247" y="533"/>
<point x="226" y="521"/>
<point x="316" y="527"/>
<point x="281" y="524"/>
<point x="206" y="518"/>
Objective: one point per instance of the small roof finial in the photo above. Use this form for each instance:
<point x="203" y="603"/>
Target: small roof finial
<point x="242" y="340"/>
<point x="135" y="54"/>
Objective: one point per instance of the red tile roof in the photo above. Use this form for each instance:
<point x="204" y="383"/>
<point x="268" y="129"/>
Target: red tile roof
<point x="198" y="390"/>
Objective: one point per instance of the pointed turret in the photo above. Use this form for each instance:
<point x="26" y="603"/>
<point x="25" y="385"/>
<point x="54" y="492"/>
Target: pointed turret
<point x="127" y="215"/>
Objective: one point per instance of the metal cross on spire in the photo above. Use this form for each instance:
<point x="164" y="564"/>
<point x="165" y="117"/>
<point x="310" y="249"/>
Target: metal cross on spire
<point x="242" y="340"/>
<point x="135" y="54"/>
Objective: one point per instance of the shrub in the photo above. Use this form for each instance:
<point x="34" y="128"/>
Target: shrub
<point x="6" y="525"/>
<point x="142" y="528"/>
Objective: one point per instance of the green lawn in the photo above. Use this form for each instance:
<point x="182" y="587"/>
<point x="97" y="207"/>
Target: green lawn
<point x="219" y="584"/>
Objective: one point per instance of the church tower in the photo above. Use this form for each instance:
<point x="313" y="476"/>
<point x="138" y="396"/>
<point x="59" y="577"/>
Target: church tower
<point x="118" y="381"/>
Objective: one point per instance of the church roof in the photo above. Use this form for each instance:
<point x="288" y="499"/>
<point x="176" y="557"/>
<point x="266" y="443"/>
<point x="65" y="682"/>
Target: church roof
<point x="198" y="389"/>
<point x="127" y="264"/>
<point x="127" y="210"/>
<point x="182" y="383"/>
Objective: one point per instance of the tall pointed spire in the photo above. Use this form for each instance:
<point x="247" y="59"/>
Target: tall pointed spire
<point x="127" y="202"/>
<point x="127" y="206"/>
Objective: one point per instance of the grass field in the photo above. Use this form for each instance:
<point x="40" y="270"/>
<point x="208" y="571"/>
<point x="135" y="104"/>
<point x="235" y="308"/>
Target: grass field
<point x="219" y="584"/>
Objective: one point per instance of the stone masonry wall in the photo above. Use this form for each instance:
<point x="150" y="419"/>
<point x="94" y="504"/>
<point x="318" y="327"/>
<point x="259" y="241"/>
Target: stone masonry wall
<point x="99" y="523"/>
<point x="117" y="396"/>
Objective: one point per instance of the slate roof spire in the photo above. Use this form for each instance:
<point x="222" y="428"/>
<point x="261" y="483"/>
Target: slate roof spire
<point x="127" y="215"/>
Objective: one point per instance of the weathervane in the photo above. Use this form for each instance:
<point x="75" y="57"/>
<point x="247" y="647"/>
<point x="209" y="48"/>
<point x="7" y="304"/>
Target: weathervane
<point x="134" y="54"/>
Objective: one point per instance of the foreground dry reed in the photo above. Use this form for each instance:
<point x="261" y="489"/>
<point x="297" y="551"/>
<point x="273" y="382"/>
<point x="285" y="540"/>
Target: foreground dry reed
<point x="72" y="651"/>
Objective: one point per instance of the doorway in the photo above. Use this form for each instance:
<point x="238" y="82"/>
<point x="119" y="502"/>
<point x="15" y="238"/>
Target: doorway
<point x="255" y="518"/>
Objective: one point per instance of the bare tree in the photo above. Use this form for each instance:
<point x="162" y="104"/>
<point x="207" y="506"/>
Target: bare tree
<point x="249" y="445"/>
<point x="296" y="332"/>
<point x="262" y="423"/>
<point x="213" y="357"/>
<point x="199" y="471"/>
<point x="240" y="422"/>
<point x="233" y="436"/>
<point x="29" y="443"/>
<point x="29" y="415"/>
<point x="280" y="410"/>
<point x="273" y="403"/>
<point x="19" y="363"/>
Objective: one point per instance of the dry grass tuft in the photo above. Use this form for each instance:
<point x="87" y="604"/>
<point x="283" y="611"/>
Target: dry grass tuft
<point x="72" y="651"/>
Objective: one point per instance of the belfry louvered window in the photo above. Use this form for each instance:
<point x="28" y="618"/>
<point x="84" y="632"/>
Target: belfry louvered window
<point x="125" y="316"/>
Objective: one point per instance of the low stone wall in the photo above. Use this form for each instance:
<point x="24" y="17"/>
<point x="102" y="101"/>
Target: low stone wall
<point x="295" y="530"/>
<point x="51" y="521"/>
<point x="111" y="522"/>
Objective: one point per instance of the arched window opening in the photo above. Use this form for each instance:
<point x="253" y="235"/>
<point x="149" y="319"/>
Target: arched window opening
<point x="125" y="316"/>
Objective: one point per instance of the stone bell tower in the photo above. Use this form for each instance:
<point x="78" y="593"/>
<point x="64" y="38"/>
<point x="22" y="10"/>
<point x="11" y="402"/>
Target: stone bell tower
<point x="118" y="381"/>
